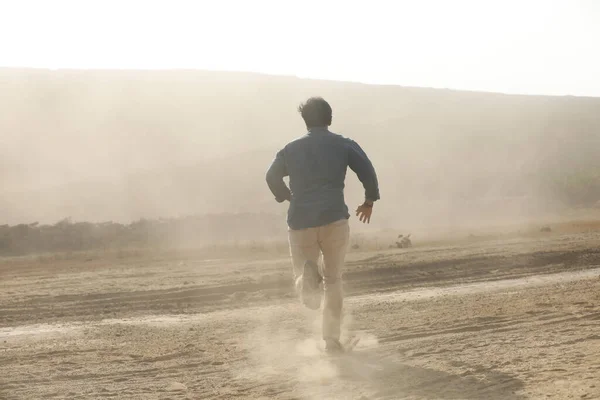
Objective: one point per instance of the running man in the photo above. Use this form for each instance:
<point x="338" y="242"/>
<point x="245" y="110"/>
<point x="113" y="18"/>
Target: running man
<point x="316" y="164"/>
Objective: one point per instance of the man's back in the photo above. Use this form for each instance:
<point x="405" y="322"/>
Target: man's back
<point x="316" y="164"/>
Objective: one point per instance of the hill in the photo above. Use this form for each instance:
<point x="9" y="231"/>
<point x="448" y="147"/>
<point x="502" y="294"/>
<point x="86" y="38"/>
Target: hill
<point x="122" y="145"/>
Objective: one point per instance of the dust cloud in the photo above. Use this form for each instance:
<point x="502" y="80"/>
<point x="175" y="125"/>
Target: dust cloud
<point x="177" y="158"/>
<point x="284" y="348"/>
<point x="124" y="145"/>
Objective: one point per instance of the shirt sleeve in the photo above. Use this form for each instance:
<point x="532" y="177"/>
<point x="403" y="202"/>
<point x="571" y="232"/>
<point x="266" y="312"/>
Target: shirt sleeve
<point x="275" y="175"/>
<point x="362" y="166"/>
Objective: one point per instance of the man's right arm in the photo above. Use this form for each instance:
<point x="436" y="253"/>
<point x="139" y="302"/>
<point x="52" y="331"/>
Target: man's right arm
<point x="274" y="177"/>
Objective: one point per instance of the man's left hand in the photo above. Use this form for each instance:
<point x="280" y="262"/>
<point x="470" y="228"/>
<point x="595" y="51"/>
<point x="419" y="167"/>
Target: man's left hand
<point x="364" y="211"/>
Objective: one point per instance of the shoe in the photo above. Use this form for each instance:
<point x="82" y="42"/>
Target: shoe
<point x="333" y="346"/>
<point x="311" y="285"/>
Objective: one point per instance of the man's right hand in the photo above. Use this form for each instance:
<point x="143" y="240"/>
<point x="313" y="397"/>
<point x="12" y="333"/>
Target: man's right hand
<point x="364" y="211"/>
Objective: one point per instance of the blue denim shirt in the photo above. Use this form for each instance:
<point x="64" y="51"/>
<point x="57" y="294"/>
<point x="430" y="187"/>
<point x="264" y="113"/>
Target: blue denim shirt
<point x="316" y="164"/>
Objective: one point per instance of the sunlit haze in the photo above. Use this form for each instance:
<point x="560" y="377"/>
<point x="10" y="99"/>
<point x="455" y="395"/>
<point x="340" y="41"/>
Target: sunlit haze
<point x="120" y="110"/>
<point x="307" y="199"/>
<point x="529" y="47"/>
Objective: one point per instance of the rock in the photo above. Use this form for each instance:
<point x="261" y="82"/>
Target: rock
<point x="404" y="242"/>
<point x="239" y="296"/>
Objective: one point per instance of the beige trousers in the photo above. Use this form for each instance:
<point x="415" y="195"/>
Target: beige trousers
<point x="332" y="242"/>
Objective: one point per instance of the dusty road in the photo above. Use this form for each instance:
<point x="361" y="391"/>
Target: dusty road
<point x="512" y="319"/>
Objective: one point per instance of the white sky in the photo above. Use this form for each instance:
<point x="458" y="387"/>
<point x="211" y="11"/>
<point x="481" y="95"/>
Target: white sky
<point x="513" y="46"/>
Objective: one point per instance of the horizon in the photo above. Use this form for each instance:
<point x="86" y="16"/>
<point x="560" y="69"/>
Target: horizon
<point x="275" y="75"/>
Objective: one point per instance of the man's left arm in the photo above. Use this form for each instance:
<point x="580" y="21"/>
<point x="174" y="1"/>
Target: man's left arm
<point x="274" y="177"/>
<point x="362" y="166"/>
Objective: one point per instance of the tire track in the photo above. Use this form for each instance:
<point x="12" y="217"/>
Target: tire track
<point x="373" y="275"/>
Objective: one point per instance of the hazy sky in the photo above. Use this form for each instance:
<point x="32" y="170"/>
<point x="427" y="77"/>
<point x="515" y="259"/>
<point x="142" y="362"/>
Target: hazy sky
<point x="514" y="46"/>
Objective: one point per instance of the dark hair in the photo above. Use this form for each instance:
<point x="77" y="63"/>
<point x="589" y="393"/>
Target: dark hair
<point x="315" y="112"/>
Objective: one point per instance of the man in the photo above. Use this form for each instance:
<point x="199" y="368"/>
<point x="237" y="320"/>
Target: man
<point x="316" y="164"/>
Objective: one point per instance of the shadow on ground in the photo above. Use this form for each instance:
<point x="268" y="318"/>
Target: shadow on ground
<point x="388" y="379"/>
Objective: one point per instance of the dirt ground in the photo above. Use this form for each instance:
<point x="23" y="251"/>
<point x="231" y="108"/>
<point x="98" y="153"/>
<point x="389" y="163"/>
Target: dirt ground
<point x="516" y="318"/>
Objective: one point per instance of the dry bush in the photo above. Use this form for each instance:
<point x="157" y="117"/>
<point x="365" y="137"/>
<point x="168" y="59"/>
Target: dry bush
<point x="209" y="232"/>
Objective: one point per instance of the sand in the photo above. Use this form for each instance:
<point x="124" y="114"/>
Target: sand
<point x="498" y="319"/>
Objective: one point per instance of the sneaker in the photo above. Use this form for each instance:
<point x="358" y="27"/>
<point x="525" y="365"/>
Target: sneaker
<point x="311" y="285"/>
<point x="333" y="346"/>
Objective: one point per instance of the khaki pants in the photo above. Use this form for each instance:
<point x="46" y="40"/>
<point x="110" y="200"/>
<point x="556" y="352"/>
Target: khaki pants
<point x="332" y="242"/>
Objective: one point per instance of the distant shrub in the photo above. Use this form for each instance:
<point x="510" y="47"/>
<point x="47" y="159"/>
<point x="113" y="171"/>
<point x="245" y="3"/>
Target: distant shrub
<point x="243" y="230"/>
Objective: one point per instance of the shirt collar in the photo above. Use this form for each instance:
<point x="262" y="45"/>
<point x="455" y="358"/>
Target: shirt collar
<point x="318" y="129"/>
